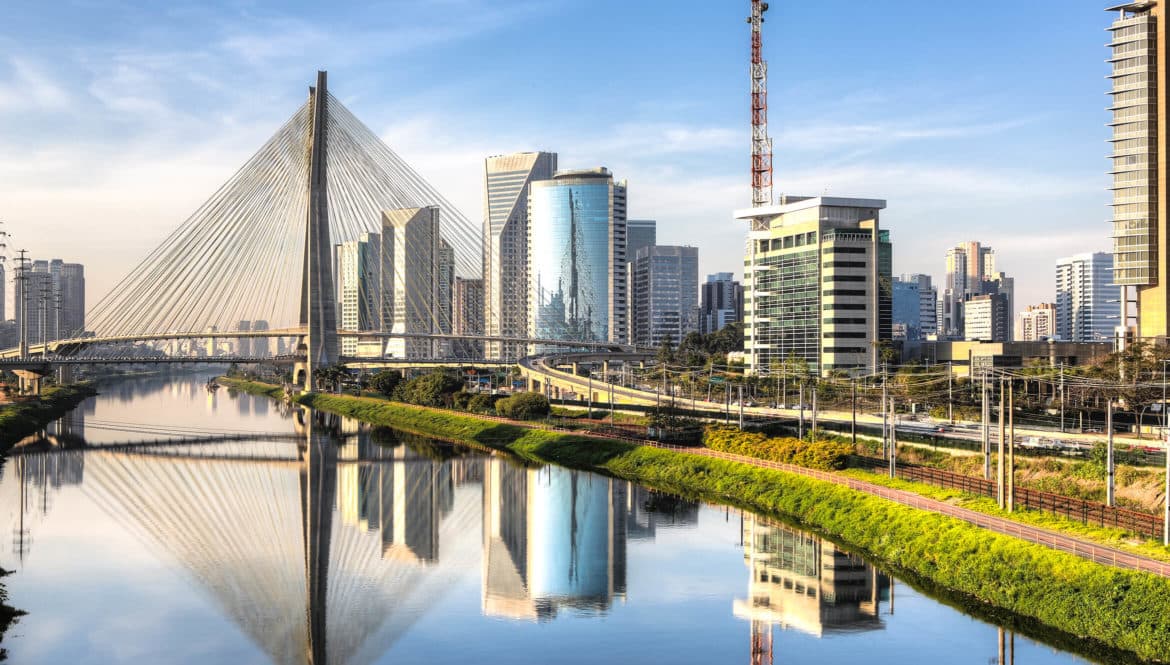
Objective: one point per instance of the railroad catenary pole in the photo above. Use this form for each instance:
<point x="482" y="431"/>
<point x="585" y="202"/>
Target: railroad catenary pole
<point x="853" y="419"/>
<point x="1109" y="467"/>
<point x="985" y="413"/>
<point x="1011" y="480"/>
<point x="999" y="468"/>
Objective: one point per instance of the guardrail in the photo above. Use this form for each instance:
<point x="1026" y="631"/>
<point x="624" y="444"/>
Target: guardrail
<point x="1087" y="512"/>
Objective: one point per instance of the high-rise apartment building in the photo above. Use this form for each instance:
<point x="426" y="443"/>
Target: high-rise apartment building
<point x="664" y="283"/>
<point x="987" y="318"/>
<point x="1087" y="300"/>
<point x="817" y="284"/>
<point x="467" y="317"/>
<point x="1036" y="323"/>
<point x="3" y="292"/>
<point x="414" y="253"/>
<point x="720" y="302"/>
<point x="507" y="179"/>
<point x="53" y="298"/>
<point x="1141" y="253"/>
<point x="577" y="257"/>
<point x="971" y="271"/>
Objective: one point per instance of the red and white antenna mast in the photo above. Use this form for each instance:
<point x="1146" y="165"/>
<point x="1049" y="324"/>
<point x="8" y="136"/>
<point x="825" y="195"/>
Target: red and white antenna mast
<point x="761" y="144"/>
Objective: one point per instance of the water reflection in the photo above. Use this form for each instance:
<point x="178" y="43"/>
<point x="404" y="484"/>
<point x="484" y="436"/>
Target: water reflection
<point x="329" y="548"/>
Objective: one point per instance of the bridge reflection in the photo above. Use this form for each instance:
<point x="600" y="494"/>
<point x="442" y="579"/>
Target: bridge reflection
<point x="328" y="548"/>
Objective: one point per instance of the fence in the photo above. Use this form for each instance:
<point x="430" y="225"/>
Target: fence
<point x="1087" y="512"/>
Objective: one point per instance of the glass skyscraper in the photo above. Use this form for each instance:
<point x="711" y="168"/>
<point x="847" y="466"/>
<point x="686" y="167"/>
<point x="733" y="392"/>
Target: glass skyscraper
<point x="505" y="245"/>
<point x="577" y="257"/>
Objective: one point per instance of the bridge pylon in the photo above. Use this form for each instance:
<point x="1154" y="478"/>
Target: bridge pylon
<point x="318" y="309"/>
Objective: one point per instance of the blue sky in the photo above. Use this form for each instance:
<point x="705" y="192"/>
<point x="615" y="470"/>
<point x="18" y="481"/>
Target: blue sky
<point x="974" y="120"/>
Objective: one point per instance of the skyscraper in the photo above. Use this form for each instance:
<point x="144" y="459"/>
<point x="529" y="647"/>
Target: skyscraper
<point x="71" y="294"/>
<point x="3" y="291"/>
<point x="640" y="233"/>
<point x="577" y="257"/>
<point x="507" y="179"/>
<point x="358" y="282"/>
<point x="413" y="255"/>
<point x="720" y="302"/>
<point x="926" y="305"/>
<point x="664" y="285"/>
<point x="1087" y="300"/>
<point x="467" y="316"/>
<point x="817" y="284"/>
<point x="1141" y="251"/>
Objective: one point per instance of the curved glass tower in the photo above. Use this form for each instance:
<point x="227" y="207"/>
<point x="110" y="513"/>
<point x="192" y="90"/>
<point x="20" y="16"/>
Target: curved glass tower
<point x="577" y="257"/>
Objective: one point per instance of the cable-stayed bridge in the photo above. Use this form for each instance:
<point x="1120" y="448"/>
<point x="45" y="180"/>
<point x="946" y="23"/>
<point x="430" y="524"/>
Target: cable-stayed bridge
<point x="323" y="195"/>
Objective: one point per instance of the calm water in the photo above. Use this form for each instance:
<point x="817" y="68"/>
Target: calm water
<point x="321" y="541"/>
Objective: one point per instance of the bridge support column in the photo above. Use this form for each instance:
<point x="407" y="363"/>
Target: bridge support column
<point x="65" y="375"/>
<point x="576" y="369"/>
<point x="29" y="382"/>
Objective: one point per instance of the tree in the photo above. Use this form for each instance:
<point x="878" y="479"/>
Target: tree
<point x="434" y="389"/>
<point x="386" y="381"/>
<point x="523" y="406"/>
<point x="481" y="403"/>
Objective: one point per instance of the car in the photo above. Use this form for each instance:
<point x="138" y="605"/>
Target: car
<point x="944" y="428"/>
<point x="1092" y="430"/>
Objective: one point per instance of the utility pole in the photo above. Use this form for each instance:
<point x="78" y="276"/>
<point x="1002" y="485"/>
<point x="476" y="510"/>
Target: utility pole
<point x="893" y="440"/>
<point x="812" y="430"/>
<point x="1166" y="440"/>
<point x="950" y="394"/>
<point x="885" y="412"/>
<point x="1062" y="397"/>
<point x="800" y="422"/>
<point x="985" y="414"/>
<point x="999" y="468"/>
<point x="853" y="420"/>
<point x="22" y="301"/>
<point x="589" y="408"/>
<point x="1109" y="469"/>
<point x="1011" y="480"/>
<point x="741" y="407"/>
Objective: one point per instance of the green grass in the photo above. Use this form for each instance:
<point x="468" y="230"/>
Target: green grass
<point x="1124" y="610"/>
<point x="24" y="418"/>
<point x="253" y="387"/>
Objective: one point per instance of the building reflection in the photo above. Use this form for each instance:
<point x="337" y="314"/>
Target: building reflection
<point x="328" y="548"/>
<point x="801" y="582"/>
<point x="553" y="538"/>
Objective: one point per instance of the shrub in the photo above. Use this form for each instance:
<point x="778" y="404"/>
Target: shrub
<point x="826" y="455"/>
<point x="434" y="389"/>
<point x="481" y="403"/>
<point x="523" y="406"/>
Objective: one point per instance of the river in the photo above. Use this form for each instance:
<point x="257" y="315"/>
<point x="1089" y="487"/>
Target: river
<point x="163" y="523"/>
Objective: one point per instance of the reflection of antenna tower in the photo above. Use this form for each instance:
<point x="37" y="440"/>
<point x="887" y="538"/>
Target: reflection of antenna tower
<point x="21" y="536"/>
<point x="761" y="642"/>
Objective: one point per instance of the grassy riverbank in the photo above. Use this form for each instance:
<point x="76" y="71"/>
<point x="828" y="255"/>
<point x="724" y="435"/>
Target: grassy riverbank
<point x="1123" y="610"/>
<point x="23" y="418"/>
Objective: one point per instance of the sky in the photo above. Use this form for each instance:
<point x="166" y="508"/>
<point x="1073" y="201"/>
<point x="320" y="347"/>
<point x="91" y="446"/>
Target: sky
<point x="974" y="121"/>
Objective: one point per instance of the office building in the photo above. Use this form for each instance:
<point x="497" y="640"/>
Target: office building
<point x="1141" y="253"/>
<point x="664" y="287"/>
<point x="720" y="302"/>
<point x="577" y="257"/>
<point x="358" y="282"/>
<point x="69" y="283"/>
<point x="817" y="284"/>
<point x="640" y="233"/>
<point x="244" y="344"/>
<point x="413" y="256"/>
<point x="1037" y="323"/>
<point x="3" y="292"/>
<point x="1088" y="303"/>
<point x="467" y="317"/>
<point x="987" y="318"/>
<point x="915" y="307"/>
<point x="507" y="179"/>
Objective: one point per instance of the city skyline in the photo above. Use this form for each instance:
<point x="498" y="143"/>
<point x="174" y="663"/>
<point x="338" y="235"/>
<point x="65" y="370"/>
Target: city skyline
<point x="686" y="160"/>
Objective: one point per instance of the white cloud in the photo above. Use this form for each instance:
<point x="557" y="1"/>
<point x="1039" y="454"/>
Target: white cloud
<point x="29" y="88"/>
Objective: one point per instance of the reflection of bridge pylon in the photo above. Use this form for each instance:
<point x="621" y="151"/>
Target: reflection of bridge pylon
<point x="269" y="539"/>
